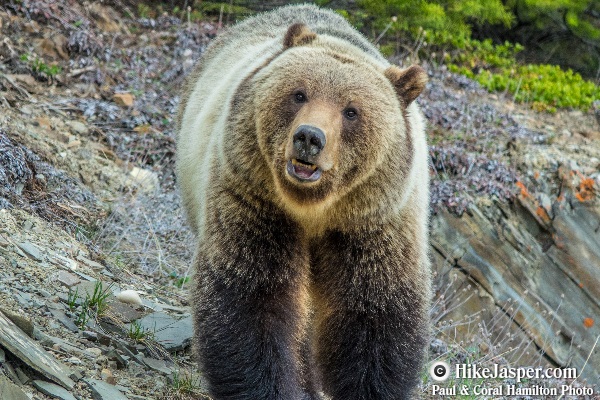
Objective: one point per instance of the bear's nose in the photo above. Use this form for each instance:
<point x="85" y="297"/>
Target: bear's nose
<point x="308" y="141"/>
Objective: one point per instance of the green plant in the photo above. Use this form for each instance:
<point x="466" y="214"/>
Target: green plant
<point x="179" y="280"/>
<point x="93" y="306"/>
<point x="144" y="11"/>
<point x="441" y="30"/>
<point x="138" y="333"/>
<point x="72" y="299"/>
<point x="38" y="66"/>
<point x="447" y="21"/>
<point x="97" y="300"/>
<point x="186" y="383"/>
<point x="83" y="316"/>
<point x="545" y="87"/>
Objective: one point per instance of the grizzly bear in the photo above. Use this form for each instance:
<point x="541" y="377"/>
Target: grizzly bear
<point x="303" y="169"/>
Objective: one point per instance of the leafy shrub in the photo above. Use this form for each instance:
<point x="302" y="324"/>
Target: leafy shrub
<point x="450" y="20"/>
<point x="40" y="68"/>
<point x="545" y="87"/>
<point x="444" y="27"/>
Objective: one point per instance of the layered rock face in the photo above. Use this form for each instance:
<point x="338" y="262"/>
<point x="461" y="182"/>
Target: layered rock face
<point x="527" y="278"/>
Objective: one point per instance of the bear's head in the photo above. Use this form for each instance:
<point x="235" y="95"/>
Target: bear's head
<point x="327" y="116"/>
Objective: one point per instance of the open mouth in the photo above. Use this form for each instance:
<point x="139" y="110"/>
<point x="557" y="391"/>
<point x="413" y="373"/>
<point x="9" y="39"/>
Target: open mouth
<point x="303" y="171"/>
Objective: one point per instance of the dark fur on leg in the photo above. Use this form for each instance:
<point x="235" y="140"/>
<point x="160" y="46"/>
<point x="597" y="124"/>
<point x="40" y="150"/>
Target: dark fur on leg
<point x="372" y="315"/>
<point x="249" y="304"/>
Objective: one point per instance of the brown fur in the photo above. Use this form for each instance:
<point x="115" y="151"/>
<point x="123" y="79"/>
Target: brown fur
<point x="304" y="287"/>
<point x="409" y="83"/>
<point x="298" y="35"/>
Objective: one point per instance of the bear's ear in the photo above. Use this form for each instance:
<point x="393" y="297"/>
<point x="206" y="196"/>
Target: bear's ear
<point x="298" y="35"/>
<point x="408" y="82"/>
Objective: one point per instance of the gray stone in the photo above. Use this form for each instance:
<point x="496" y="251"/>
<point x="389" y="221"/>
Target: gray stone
<point x="89" y="335"/>
<point x="30" y="250"/>
<point x="64" y="262"/>
<point x="53" y="325"/>
<point x="23" y="323"/>
<point x="172" y="333"/>
<point x="541" y="271"/>
<point x="53" y="390"/>
<point x="30" y="352"/>
<point x="55" y="306"/>
<point x="128" y="354"/>
<point x="85" y="276"/>
<point x="76" y="375"/>
<point x="24" y="299"/>
<point x="104" y="391"/>
<point x="120" y="360"/>
<point x="545" y="202"/>
<point x="67" y="279"/>
<point x="38" y="303"/>
<point x="10" y="372"/>
<point x="438" y="347"/>
<point x="158" y="365"/>
<point x="63" y="319"/>
<point x="92" y="264"/>
<point x="93" y="352"/>
<point x="10" y="391"/>
<point x="2" y="356"/>
<point x="152" y="305"/>
<point x="123" y="312"/>
<point x="107" y="273"/>
<point x="74" y="360"/>
<point x="23" y="378"/>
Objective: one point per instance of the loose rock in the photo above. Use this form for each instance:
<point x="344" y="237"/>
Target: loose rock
<point x="173" y="334"/>
<point x="10" y="391"/>
<point x="53" y="390"/>
<point x="104" y="391"/>
<point x="31" y="250"/>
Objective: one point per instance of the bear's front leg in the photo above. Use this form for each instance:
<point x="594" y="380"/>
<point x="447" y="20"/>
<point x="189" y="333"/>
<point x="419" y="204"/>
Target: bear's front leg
<point x="249" y="303"/>
<point x="372" y="297"/>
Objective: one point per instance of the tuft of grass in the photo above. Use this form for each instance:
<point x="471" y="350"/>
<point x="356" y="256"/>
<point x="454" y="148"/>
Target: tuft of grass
<point x="138" y="333"/>
<point x="92" y="306"/>
<point x="186" y="383"/>
<point x="72" y="299"/>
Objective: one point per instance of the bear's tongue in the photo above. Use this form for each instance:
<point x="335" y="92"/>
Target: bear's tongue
<point x="303" y="170"/>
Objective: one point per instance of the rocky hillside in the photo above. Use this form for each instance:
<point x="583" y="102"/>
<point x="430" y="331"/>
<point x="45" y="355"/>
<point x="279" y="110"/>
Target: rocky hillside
<point x="94" y="250"/>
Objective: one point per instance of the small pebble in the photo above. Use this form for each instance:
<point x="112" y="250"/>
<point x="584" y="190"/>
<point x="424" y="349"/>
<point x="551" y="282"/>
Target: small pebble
<point x="108" y="377"/>
<point x="96" y="352"/>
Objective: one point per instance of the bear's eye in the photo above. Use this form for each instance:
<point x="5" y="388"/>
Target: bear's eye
<point x="300" y="97"/>
<point x="350" y="113"/>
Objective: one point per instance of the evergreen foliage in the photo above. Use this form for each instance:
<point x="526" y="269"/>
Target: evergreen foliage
<point x="447" y="28"/>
